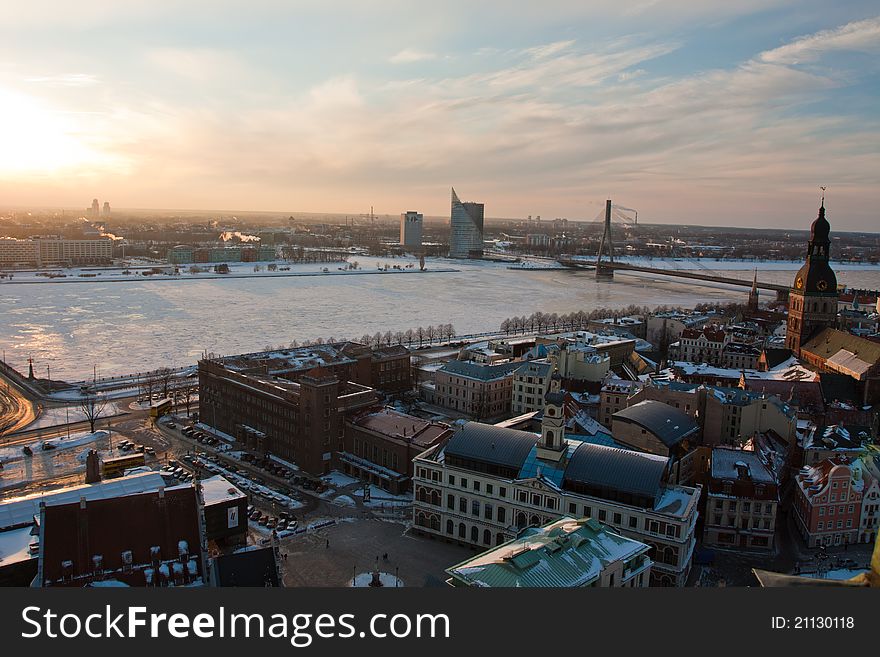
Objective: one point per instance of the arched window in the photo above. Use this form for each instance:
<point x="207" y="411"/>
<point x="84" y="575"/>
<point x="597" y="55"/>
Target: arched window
<point x="534" y="521"/>
<point x="462" y="530"/>
<point x="520" y="520"/>
<point x="549" y="438"/>
<point x="450" y="527"/>
<point x="487" y="537"/>
<point x="499" y="538"/>
<point x="475" y="534"/>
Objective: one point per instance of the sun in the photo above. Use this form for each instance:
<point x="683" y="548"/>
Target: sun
<point x="37" y="139"/>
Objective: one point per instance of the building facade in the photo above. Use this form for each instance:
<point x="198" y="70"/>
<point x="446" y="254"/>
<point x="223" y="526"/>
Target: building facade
<point x="411" y="230"/>
<point x="466" y="229"/>
<point x="479" y="391"/>
<point x="530" y="383"/>
<point x="742" y="497"/>
<point x="379" y="447"/>
<point x="301" y="421"/>
<point x="485" y="484"/>
<point x="828" y="503"/>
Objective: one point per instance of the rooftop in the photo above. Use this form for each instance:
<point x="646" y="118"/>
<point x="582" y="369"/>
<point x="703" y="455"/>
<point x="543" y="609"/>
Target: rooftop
<point x="669" y="424"/>
<point x="565" y="553"/>
<point x="728" y="463"/>
<point x="395" y="424"/>
<point x="480" y="371"/>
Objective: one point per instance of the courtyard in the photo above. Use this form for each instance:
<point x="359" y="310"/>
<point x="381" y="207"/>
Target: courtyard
<point x="331" y="555"/>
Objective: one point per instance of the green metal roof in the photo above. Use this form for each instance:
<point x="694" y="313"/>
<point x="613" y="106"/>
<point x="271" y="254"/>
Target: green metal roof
<point x="564" y="553"/>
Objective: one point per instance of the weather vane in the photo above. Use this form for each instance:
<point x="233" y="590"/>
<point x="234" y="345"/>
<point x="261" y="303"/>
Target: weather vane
<point x="822" y="187"/>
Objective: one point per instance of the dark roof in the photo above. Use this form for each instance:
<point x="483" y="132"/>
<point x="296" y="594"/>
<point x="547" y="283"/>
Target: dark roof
<point x="669" y="424"/>
<point x="839" y="387"/>
<point x="479" y="371"/>
<point x="618" y="469"/>
<point x="109" y="527"/>
<point x="490" y="444"/>
<point x="776" y="356"/>
<point x="252" y="568"/>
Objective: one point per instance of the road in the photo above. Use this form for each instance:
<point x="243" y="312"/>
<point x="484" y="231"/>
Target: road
<point x="16" y="411"/>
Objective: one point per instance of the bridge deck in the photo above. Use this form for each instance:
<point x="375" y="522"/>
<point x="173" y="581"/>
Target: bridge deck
<point x="680" y="273"/>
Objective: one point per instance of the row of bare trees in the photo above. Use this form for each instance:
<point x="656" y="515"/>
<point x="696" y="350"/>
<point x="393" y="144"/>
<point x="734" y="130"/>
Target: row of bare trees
<point x="575" y="321"/>
<point x="411" y="337"/>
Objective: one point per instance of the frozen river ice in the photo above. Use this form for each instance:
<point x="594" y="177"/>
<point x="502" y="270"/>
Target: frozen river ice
<point x="132" y="326"/>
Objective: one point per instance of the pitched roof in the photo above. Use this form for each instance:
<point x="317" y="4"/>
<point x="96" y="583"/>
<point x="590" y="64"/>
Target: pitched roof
<point x="830" y="342"/>
<point x="669" y="424"/>
<point x="564" y="553"/>
<point x="728" y="463"/>
<point x="479" y="371"/>
<point x="620" y="470"/>
<point x="490" y="444"/>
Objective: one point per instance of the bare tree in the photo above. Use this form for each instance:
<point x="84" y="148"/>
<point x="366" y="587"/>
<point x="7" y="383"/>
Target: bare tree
<point x="93" y="408"/>
<point x="420" y="334"/>
<point x="164" y="375"/>
<point x="187" y="393"/>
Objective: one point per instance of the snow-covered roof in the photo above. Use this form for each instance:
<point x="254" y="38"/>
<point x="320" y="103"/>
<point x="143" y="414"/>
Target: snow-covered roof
<point x="22" y="510"/>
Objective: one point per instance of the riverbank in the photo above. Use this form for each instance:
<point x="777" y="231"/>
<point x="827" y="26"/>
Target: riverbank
<point x="76" y="278"/>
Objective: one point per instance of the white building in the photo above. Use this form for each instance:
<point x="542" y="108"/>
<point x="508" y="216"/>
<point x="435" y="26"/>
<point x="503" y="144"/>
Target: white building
<point x="411" y="230"/>
<point x="486" y="484"/>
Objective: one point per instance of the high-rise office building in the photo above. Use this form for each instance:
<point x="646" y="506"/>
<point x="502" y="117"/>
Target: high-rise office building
<point x="466" y="223"/>
<point x="411" y="229"/>
<point x="106" y="211"/>
<point x="95" y="211"/>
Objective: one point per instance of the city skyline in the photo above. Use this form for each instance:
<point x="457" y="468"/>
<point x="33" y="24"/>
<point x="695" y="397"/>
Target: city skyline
<point x="689" y="113"/>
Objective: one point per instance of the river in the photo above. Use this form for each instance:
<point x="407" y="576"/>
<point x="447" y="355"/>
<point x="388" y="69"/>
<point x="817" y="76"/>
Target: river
<point x="143" y="324"/>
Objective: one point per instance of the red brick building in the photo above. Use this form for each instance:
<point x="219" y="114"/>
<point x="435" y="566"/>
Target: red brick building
<point x="300" y="421"/>
<point x="828" y="503"/>
<point x="379" y="447"/>
<point x="146" y="539"/>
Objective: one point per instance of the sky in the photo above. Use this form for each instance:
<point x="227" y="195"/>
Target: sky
<point x="689" y="111"/>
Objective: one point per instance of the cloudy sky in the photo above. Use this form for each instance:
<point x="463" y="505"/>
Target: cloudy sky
<point x="690" y="111"/>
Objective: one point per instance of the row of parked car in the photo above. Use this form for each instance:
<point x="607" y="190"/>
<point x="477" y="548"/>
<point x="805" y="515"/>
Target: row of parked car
<point x="182" y="475"/>
<point x="284" y="521"/>
<point x="238" y="476"/>
<point x="129" y="446"/>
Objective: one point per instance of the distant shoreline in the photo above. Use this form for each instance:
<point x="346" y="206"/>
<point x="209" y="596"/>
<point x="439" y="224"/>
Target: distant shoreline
<point x="212" y="276"/>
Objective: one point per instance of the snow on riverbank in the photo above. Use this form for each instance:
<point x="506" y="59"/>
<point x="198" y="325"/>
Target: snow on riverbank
<point x="53" y="417"/>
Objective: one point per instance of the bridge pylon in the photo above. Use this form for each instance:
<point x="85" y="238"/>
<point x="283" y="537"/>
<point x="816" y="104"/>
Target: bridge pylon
<point x="601" y="270"/>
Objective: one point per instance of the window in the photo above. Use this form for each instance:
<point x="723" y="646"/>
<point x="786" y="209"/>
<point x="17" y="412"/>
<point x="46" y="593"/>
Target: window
<point x="502" y="513"/>
<point x="477" y="486"/>
<point x="452" y="480"/>
<point x="462" y="505"/>
<point x="450" y="501"/>
<point x="602" y="515"/>
<point x="487" y="537"/>
<point x="462" y="531"/>
<point x="572" y="508"/>
<point x="487" y="511"/>
<point x="633" y="522"/>
<point x="502" y="491"/>
<point x="617" y="519"/>
<point x="489" y="489"/>
<point x="588" y="512"/>
<point x="475" y="508"/>
<point x="523" y="496"/>
<point x="463" y="482"/>
<point x="475" y="534"/>
<point x="821" y="510"/>
<point x="820" y="526"/>
<point x="449" y="527"/>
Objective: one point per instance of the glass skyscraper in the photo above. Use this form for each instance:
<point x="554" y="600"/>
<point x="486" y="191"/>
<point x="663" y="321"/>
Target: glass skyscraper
<point x="466" y="223"/>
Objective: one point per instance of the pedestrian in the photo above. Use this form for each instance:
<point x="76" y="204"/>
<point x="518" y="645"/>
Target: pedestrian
<point x="328" y="543"/>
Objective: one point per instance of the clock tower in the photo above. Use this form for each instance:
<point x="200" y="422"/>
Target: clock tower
<point x="812" y="302"/>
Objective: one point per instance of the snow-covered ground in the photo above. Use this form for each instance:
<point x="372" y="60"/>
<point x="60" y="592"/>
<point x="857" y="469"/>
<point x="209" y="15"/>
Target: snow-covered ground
<point x="338" y="479"/>
<point x="53" y="417"/>
<point x="141" y="326"/>
<point x="62" y="442"/>
<point x="382" y="498"/>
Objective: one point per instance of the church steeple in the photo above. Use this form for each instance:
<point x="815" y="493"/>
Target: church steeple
<point x="753" y="293"/>
<point x="813" y="297"/>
